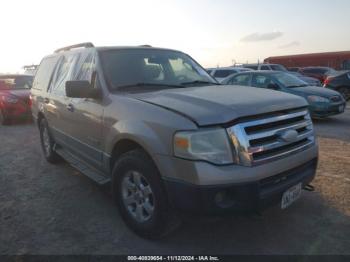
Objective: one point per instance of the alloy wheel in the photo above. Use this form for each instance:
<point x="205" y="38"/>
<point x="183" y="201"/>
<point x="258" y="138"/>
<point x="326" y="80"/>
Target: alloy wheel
<point x="138" y="196"/>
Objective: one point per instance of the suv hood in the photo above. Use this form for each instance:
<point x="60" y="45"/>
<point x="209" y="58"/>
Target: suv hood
<point x="210" y="105"/>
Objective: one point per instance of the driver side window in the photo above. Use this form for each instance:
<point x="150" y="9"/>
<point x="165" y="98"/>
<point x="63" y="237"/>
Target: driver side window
<point x="242" y="80"/>
<point x="261" y="81"/>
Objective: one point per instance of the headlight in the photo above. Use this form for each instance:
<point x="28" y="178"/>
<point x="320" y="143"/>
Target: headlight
<point x="9" y="99"/>
<point x="317" y="99"/>
<point x="209" y="145"/>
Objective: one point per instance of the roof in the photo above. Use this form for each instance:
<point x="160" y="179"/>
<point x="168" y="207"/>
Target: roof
<point x="257" y="64"/>
<point x="266" y="72"/>
<point x="227" y="68"/>
<point x="89" y="45"/>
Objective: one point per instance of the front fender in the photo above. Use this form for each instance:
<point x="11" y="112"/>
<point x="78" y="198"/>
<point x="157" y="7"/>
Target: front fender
<point x="144" y="134"/>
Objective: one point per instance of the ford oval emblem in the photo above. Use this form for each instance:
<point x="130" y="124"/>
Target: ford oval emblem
<point x="290" y="135"/>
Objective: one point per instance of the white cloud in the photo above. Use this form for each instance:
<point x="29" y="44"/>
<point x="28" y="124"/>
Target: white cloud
<point x="255" y="37"/>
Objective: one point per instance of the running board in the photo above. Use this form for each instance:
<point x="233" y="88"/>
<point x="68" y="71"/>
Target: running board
<point x="87" y="170"/>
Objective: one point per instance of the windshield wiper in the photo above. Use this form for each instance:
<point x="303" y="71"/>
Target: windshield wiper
<point x="199" y="82"/>
<point x="138" y="85"/>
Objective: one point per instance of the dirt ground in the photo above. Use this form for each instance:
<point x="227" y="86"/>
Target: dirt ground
<point x="53" y="209"/>
<point x="333" y="173"/>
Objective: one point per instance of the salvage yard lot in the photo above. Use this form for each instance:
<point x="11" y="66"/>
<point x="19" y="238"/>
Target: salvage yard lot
<point x="48" y="209"/>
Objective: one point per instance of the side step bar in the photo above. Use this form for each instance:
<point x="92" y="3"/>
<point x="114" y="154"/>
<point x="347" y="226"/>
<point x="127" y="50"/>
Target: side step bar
<point x="87" y="170"/>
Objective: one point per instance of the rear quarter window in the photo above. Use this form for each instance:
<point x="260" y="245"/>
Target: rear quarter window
<point x="44" y="73"/>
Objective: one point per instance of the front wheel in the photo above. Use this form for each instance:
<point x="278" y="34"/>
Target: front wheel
<point x="47" y="143"/>
<point x="141" y="198"/>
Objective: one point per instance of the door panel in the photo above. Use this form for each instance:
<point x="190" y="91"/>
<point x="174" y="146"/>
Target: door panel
<point x="86" y="129"/>
<point x="85" y="115"/>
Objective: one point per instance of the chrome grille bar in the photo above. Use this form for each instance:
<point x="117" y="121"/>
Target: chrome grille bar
<point x="263" y="140"/>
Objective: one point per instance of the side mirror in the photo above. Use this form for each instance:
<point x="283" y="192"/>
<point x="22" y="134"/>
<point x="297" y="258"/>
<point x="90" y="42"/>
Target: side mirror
<point x="81" y="89"/>
<point x="273" y="86"/>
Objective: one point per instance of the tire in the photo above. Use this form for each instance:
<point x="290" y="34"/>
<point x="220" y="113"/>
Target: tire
<point x="345" y="91"/>
<point x="47" y="143"/>
<point x="139" y="193"/>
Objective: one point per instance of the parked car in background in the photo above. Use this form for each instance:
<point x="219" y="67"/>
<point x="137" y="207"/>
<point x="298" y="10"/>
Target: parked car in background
<point x="318" y="72"/>
<point x="30" y="69"/>
<point x="272" y="67"/>
<point x="322" y="102"/>
<point x="309" y="80"/>
<point x="340" y="83"/>
<point x="221" y="73"/>
<point x="14" y="97"/>
<point x="167" y="138"/>
<point x="293" y="69"/>
<point x="277" y="67"/>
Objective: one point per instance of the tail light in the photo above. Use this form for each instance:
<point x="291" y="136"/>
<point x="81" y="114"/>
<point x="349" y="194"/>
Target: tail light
<point x="327" y="80"/>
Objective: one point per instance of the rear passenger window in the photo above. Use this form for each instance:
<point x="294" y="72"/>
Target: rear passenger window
<point x="43" y="76"/>
<point x="264" y="67"/>
<point x="64" y="72"/>
<point x="260" y="81"/>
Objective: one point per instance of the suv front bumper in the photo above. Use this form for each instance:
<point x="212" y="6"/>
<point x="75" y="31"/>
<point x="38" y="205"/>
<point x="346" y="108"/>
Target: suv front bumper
<point x="243" y="197"/>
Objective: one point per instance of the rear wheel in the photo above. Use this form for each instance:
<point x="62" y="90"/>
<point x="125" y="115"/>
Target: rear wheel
<point x="47" y="143"/>
<point x="345" y="91"/>
<point x="140" y="195"/>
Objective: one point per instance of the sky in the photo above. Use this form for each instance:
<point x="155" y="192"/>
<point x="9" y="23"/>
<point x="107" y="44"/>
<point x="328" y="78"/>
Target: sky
<point x="215" y="33"/>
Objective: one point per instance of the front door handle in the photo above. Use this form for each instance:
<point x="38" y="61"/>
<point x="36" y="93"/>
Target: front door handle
<point x="70" y="107"/>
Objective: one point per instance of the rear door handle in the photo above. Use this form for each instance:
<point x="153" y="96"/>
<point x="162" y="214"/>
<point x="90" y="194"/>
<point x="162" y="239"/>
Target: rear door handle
<point x="46" y="100"/>
<point x="70" y="107"/>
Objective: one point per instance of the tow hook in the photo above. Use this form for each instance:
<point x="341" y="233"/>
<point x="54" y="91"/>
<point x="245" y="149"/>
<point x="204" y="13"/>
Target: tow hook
<point x="309" y="187"/>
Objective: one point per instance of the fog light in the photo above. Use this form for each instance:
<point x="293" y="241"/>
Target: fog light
<point x="220" y="197"/>
<point x="224" y="199"/>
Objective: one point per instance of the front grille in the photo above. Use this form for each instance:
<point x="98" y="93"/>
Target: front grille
<point x="335" y="99"/>
<point x="271" y="137"/>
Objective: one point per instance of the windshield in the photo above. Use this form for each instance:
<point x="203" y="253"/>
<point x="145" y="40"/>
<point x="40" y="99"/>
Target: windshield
<point x="288" y="80"/>
<point x="331" y="71"/>
<point x="278" y="68"/>
<point x="15" y="82"/>
<point x="150" y="68"/>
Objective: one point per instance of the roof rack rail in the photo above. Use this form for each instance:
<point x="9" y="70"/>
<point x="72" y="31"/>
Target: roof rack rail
<point x="145" y="46"/>
<point x="67" y="48"/>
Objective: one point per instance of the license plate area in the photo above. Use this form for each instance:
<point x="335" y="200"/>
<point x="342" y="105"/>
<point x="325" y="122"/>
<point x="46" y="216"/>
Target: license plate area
<point x="290" y="196"/>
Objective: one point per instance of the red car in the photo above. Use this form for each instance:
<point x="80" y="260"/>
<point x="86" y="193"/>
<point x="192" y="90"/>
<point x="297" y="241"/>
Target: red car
<point x="319" y="72"/>
<point x="14" y="97"/>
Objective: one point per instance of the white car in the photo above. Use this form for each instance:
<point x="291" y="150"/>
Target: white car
<point x="220" y="73"/>
<point x="272" y="67"/>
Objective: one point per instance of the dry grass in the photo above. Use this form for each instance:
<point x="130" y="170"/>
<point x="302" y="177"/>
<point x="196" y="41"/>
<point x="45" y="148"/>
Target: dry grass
<point x="333" y="174"/>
